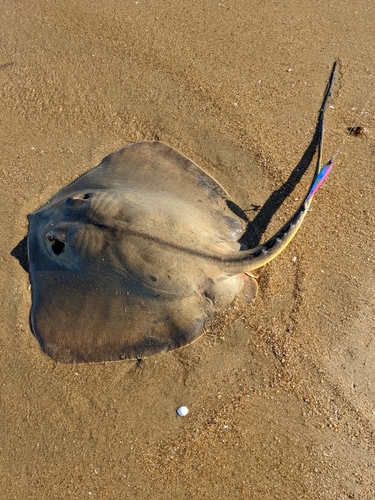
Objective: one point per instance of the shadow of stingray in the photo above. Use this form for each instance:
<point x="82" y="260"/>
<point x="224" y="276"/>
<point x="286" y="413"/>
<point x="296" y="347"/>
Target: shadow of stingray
<point x="255" y="229"/>
<point x="20" y="253"/>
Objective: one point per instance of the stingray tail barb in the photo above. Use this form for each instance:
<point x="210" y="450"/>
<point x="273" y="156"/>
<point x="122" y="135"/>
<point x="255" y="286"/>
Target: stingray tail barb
<point x="254" y="258"/>
<point x="320" y="179"/>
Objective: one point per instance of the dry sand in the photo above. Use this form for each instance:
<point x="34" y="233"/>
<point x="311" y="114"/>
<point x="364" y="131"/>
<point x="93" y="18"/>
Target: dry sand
<point x="281" y="393"/>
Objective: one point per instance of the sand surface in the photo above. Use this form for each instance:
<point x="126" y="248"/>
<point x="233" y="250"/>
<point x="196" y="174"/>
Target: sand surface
<point x="282" y="392"/>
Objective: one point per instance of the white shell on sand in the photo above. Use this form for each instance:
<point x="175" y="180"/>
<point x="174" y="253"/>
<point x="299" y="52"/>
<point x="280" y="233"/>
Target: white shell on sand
<point x="182" y="411"/>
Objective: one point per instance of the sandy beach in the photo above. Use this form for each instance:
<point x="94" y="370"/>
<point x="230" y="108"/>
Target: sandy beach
<point x="281" y="392"/>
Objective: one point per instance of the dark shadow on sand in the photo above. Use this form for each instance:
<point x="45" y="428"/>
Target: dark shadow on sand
<point x="20" y="253"/>
<point x="255" y="229"/>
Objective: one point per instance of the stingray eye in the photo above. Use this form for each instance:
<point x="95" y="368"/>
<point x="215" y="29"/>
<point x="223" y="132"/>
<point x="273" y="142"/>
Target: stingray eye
<point x="86" y="196"/>
<point x="57" y="246"/>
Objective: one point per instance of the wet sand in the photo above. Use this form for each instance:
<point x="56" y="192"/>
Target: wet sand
<point x="282" y="392"/>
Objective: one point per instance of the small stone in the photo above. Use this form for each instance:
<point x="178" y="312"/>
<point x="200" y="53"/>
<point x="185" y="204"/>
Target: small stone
<point x="182" y="411"/>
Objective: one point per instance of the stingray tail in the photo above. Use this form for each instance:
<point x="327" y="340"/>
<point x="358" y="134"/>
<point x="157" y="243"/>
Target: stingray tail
<point x="254" y="258"/>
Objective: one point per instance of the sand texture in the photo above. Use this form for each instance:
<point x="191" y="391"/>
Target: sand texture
<point x="281" y="392"/>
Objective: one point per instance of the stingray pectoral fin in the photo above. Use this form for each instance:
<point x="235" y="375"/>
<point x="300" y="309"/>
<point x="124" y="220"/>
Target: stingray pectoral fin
<point x="257" y="257"/>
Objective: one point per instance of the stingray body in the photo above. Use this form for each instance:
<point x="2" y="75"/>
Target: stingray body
<point x="137" y="255"/>
<point x="127" y="260"/>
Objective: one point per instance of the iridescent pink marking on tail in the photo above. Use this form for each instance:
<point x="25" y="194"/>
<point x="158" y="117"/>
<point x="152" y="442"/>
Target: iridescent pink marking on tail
<point x="322" y="176"/>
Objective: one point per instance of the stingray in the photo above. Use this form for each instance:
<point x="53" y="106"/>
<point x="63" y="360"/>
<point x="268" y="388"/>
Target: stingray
<point x="137" y="255"/>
